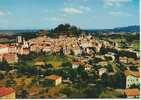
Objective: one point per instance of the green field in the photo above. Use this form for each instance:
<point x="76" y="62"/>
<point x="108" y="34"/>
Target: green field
<point x="54" y="59"/>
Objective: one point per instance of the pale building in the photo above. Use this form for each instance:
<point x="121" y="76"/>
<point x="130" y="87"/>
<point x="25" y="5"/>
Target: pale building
<point x="10" y="57"/>
<point x="101" y="71"/>
<point x="132" y="78"/>
<point x="12" y="49"/>
<point x="77" y="51"/>
<point x="7" y="49"/>
<point x="3" y="49"/>
<point x="19" y="39"/>
<point x="23" y="51"/>
<point x="76" y="64"/>
<point x="56" y="80"/>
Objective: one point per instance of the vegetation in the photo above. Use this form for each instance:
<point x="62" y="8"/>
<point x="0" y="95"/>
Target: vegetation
<point x="77" y="82"/>
<point x="66" y="29"/>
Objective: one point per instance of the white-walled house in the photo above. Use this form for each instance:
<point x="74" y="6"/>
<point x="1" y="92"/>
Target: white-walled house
<point x="132" y="78"/>
<point x="101" y="71"/>
<point x="75" y="65"/>
<point x="3" y="49"/>
<point x="55" y="79"/>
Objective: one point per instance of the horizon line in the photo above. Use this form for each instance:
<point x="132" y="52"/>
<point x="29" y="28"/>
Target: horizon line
<point x="75" y="25"/>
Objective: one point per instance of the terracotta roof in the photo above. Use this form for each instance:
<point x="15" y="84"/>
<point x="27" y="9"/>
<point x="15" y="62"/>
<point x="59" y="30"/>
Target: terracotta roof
<point x="9" y="55"/>
<point x="6" y="45"/>
<point x="88" y="65"/>
<point x="53" y="77"/>
<point x="39" y="63"/>
<point x="132" y="92"/>
<point x="6" y="91"/>
<point x="133" y="73"/>
<point x="11" y="46"/>
<point x="77" y="62"/>
<point x="3" y="46"/>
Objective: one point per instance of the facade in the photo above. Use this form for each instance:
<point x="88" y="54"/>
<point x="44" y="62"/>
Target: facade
<point x="10" y="57"/>
<point x="77" y="52"/>
<point x="7" y="49"/>
<point x="55" y="80"/>
<point x="76" y="64"/>
<point x="101" y="71"/>
<point x="7" y="93"/>
<point x="19" y="39"/>
<point x="132" y="78"/>
<point x="12" y="49"/>
<point x="87" y="67"/>
<point x="3" y="49"/>
<point x="23" y="51"/>
<point x="123" y="59"/>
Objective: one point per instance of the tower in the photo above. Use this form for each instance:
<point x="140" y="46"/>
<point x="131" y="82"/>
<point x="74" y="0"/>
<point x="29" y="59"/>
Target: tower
<point x="19" y="39"/>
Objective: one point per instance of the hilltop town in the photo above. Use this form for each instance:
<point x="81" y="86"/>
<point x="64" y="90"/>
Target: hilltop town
<point x="83" y="65"/>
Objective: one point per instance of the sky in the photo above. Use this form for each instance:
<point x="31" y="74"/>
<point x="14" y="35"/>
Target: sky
<point x="86" y="14"/>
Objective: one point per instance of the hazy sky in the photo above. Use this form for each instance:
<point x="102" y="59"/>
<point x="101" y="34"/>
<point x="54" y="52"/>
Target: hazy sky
<point x="87" y="14"/>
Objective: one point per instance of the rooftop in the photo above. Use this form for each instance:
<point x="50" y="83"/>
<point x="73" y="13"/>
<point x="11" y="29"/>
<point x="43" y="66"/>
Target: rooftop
<point x="53" y="77"/>
<point x="133" y="73"/>
<point x="6" y="91"/>
<point x="132" y="92"/>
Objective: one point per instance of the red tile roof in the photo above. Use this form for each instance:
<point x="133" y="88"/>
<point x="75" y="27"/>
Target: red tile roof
<point x="6" y="91"/>
<point x="6" y="46"/>
<point x="77" y="62"/>
<point x="11" y="46"/>
<point x="132" y="92"/>
<point x="53" y="77"/>
<point x="3" y="46"/>
<point x="133" y="73"/>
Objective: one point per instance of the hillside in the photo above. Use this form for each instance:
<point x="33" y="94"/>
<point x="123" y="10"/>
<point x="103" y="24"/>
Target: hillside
<point x="135" y="28"/>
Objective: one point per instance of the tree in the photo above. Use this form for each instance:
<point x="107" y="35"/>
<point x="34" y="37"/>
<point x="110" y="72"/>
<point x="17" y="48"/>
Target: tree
<point x="23" y="93"/>
<point x="49" y="66"/>
<point x="121" y="66"/>
<point x="10" y="82"/>
<point x="103" y="50"/>
<point x="94" y="92"/>
<point x="61" y="52"/>
<point x="105" y="79"/>
<point x="110" y="67"/>
<point x="120" y="79"/>
<point x="133" y="68"/>
<point x="135" y="86"/>
<point x="67" y="64"/>
<point x="67" y="29"/>
<point x="47" y="83"/>
<point x="5" y="66"/>
<point x="2" y="76"/>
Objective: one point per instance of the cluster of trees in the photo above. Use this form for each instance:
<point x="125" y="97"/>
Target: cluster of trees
<point x="5" y="66"/>
<point x="66" y="29"/>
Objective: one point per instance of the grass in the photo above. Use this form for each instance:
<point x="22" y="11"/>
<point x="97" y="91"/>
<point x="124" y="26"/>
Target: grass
<point x="23" y="80"/>
<point x="55" y="60"/>
<point x="110" y="94"/>
<point x="136" y="44"/>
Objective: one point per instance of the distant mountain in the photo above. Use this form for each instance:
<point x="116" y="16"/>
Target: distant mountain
<point x="135" y="28"/>
<point x="17" y="31"/>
